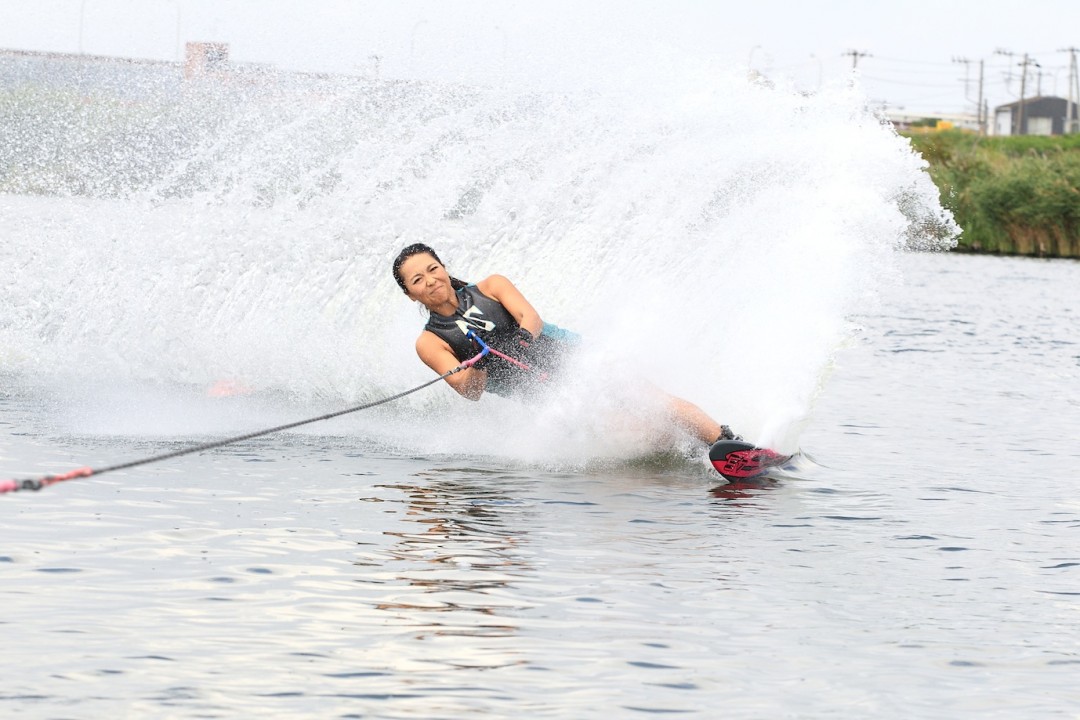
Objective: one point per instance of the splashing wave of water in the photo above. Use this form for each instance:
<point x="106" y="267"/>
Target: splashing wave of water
<point x="710" y="237"/>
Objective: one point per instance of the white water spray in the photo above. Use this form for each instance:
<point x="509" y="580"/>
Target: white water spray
<point x="712" y="237"/>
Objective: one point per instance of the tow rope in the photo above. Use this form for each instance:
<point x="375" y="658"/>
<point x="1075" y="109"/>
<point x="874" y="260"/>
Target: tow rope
<point x="7" y="486"/>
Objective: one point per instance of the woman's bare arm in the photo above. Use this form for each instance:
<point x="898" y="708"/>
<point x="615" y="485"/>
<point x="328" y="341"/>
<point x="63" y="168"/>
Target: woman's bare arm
<point x="502" y="290"/>
<point x="436" y="354"/>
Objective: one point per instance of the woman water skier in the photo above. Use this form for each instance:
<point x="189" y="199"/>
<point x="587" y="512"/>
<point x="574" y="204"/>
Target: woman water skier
<point x="497" y="311"/>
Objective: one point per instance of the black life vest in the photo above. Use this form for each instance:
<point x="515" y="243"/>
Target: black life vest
<point x="479" y="313"/>
<point x="498" y="328"/>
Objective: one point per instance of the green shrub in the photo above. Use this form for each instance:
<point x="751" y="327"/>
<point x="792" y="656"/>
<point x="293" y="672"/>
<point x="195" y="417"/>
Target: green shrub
<point x="1009" y="194"/>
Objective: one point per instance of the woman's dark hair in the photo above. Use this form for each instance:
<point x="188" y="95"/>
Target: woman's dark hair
<point x="419" y="249"/>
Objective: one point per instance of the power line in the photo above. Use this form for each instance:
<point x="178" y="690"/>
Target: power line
<point x="911" y="62"/>
<point x="994" y="80"/>
<point x="943" y="71"/>
<point x="908" y="84"/>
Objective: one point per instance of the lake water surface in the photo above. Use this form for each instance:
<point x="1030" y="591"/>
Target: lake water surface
<point x="927" y="564"/>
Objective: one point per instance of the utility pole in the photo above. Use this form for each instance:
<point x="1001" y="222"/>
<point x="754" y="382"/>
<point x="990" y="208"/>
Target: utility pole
<point x="980" y="118"/>
<point x="1008" y="80"/>
<point x="983" y="114"/>
<point x="967" y="74"/>
<point x="1020" y="128"/>
<point x="1074" y="83"/>
<point x="1009" y="54"/>
<point x="1023" y="84"/>
<point x="855" y="55"/>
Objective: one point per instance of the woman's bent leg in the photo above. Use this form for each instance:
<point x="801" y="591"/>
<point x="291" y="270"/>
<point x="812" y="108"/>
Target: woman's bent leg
<point x="694" y="420"/>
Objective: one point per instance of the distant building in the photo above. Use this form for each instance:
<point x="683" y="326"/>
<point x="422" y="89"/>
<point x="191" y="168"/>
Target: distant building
<point x="1044" y="115"/>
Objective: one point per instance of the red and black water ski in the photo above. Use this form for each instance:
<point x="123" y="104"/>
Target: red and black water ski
<point x="739" y="460"/>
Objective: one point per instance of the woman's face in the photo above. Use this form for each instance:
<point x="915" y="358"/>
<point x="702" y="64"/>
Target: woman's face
<point x="426" y="280"/>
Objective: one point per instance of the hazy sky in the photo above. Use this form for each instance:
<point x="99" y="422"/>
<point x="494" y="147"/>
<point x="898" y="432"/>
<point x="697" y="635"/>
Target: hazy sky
<point x="911" y="44"/>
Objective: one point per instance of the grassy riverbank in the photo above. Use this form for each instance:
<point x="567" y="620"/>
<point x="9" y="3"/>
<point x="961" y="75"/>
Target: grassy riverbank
<point x="1011" y="195"/>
